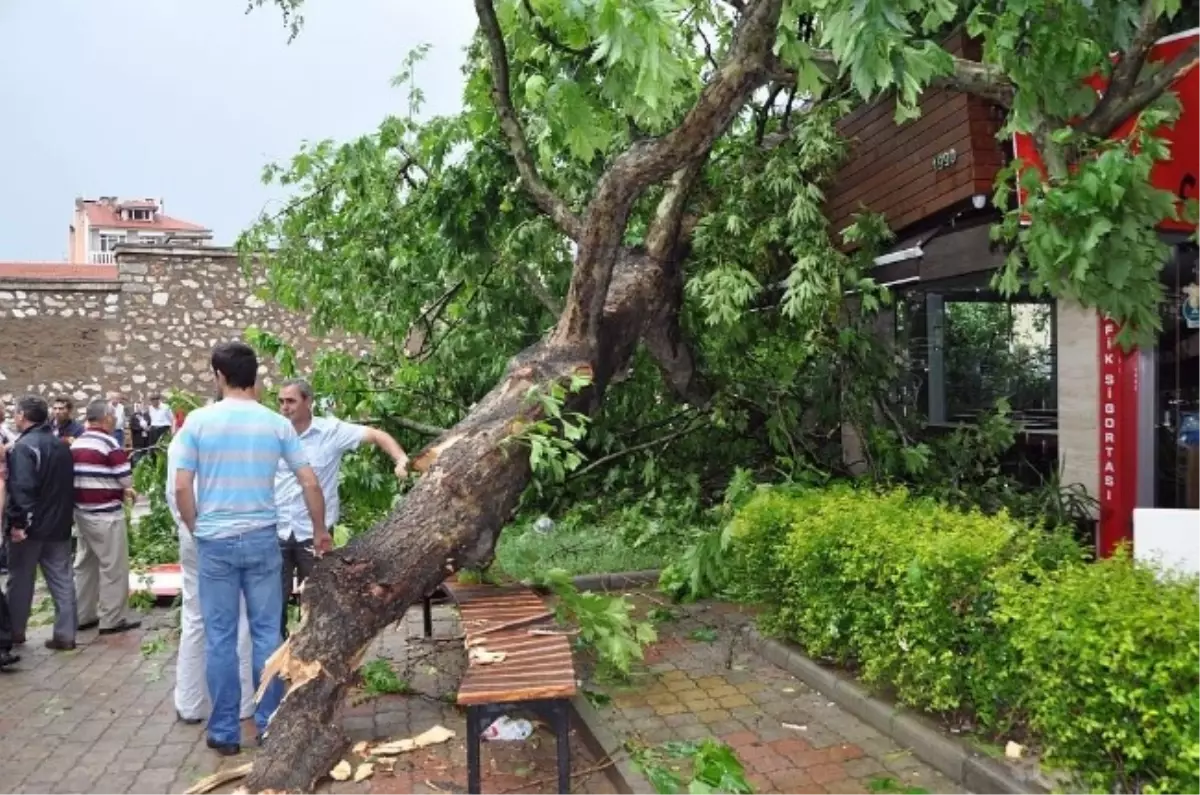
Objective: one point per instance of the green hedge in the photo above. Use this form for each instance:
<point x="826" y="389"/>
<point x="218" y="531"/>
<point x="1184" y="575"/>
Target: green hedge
<point x="1108" y="659"/>
<point x="964" y="613"/>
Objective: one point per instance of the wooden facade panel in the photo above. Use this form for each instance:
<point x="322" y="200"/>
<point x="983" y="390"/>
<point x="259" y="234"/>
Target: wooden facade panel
<point x="891" y="168"/>
<point x="897" y="170"/>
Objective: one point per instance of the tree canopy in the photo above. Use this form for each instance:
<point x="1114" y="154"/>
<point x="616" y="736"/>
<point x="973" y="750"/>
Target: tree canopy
<point x="449" y="242"/>
<point x="632" y="195"/>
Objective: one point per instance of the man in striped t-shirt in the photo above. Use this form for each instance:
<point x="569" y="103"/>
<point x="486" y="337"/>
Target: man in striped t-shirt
<point x="103" y="480"/>
<point x="225" y="492"/>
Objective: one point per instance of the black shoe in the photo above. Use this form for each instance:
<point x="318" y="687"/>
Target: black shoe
<point x="60" y="645"/>
<point x="18" y="640"/>
<point x="7" y="658"/>
<point x="189" y="721"/>
<point x="124" y="626"/>
<point x="224" y="749"/>
<point x="85" y="626"/>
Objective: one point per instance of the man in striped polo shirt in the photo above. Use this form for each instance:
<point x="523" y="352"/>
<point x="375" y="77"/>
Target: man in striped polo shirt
<point x="103" y="480"/>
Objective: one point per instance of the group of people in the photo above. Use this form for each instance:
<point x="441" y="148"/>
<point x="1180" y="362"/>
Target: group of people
<point x="147" y="423"/>
<point x="254" y="494"/>
<point x="56" y="475"/>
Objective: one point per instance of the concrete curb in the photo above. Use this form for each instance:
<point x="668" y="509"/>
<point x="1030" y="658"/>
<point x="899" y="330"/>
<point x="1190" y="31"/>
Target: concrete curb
<point x="602" y="742"/>
<point x="949" y="756"/>
<point x="616" y="581"/>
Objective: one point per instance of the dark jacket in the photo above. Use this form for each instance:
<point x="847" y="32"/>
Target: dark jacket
<point x="71" y="429"/>
<point x="41" y="486"/>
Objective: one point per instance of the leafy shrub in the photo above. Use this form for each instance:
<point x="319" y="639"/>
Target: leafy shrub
<point x="958" y="611"/>
<point x="1108" y="654"/>
<point x="904" y="588"/>
<point x="701" y="571"/>
<point x="758" y="531"/>
<point x="153" y="537"/>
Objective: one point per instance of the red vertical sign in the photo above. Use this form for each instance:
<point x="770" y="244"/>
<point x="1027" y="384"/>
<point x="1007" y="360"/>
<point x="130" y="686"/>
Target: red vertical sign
<point x="1118" y="440"/>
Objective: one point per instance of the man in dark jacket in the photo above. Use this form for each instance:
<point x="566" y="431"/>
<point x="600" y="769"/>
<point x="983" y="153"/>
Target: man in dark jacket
<point x="7" y="657"/>
<point x="65" y="426"/>
<point x="41" y="501"/>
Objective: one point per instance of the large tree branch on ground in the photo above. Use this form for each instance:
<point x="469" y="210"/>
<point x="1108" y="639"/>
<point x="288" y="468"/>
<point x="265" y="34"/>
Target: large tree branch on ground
<point x="546" y="199"/>
<point x="473" y="478"/>
<point x="474" y="474"/>
<point x="648" y="162"/>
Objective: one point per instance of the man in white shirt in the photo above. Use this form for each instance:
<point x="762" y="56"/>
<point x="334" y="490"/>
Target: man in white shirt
<point x="325" y="441"/>
<point x="162" y="421"/>
<point x="114" y="400"/>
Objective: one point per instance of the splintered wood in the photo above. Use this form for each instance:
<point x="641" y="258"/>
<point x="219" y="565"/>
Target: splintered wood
<point x="210" y="783"/>
<point x="293" y="670"/>
<point x="434" y="736"/>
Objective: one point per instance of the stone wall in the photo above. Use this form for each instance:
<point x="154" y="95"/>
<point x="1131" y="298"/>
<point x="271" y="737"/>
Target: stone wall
<point x="150" y="330"/>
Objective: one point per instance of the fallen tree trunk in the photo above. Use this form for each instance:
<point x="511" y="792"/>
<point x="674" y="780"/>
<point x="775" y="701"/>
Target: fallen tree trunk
<point x="450" y="520"/>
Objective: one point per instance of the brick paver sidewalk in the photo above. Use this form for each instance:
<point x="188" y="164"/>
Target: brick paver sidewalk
<point x="102" y="719"/>
<point x="703" y="681"/>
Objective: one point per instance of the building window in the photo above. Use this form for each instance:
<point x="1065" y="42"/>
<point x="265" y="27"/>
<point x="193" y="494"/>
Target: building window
<point x="108" y="242"/>
<point x="142" y="214"/>
<point x="970" y="348"/>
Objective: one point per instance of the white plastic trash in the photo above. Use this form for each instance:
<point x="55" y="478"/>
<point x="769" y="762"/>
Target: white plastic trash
<point x="505" y="728"/>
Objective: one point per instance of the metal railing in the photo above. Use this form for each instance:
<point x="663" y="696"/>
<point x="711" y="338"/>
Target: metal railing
<point x="101" y="258"/>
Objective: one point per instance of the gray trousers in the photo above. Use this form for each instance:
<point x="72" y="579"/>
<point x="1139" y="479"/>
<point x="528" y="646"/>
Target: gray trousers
<point x="102" y="567"/>
<point x="54" y="559"/>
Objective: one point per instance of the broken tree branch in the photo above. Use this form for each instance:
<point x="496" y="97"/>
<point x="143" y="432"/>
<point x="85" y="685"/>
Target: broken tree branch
<point x="546" y="199"/>
<point x="649" y="161"/>
<point x="662" y="440"/>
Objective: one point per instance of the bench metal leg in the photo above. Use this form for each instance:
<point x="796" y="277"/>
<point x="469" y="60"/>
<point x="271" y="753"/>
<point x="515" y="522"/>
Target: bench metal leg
<point x="427" y="607"/>
<point x="557" y="712"/>
<point x="562" y="727"/>
<point x="475" y="718"/>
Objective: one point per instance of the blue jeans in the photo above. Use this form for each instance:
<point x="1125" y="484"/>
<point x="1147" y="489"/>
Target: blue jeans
<point x="229" y="568"/>
<point x="119" y="435"/>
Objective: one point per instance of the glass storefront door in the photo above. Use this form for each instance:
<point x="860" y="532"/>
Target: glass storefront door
<point x="1177" y="387"/>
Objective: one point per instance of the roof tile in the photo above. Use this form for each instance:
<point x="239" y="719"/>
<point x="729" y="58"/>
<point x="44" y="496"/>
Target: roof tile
<point x="56" y="271"/>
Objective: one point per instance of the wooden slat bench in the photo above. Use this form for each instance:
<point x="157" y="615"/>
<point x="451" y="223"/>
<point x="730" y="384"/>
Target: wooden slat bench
<point x="537" y="673"/>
